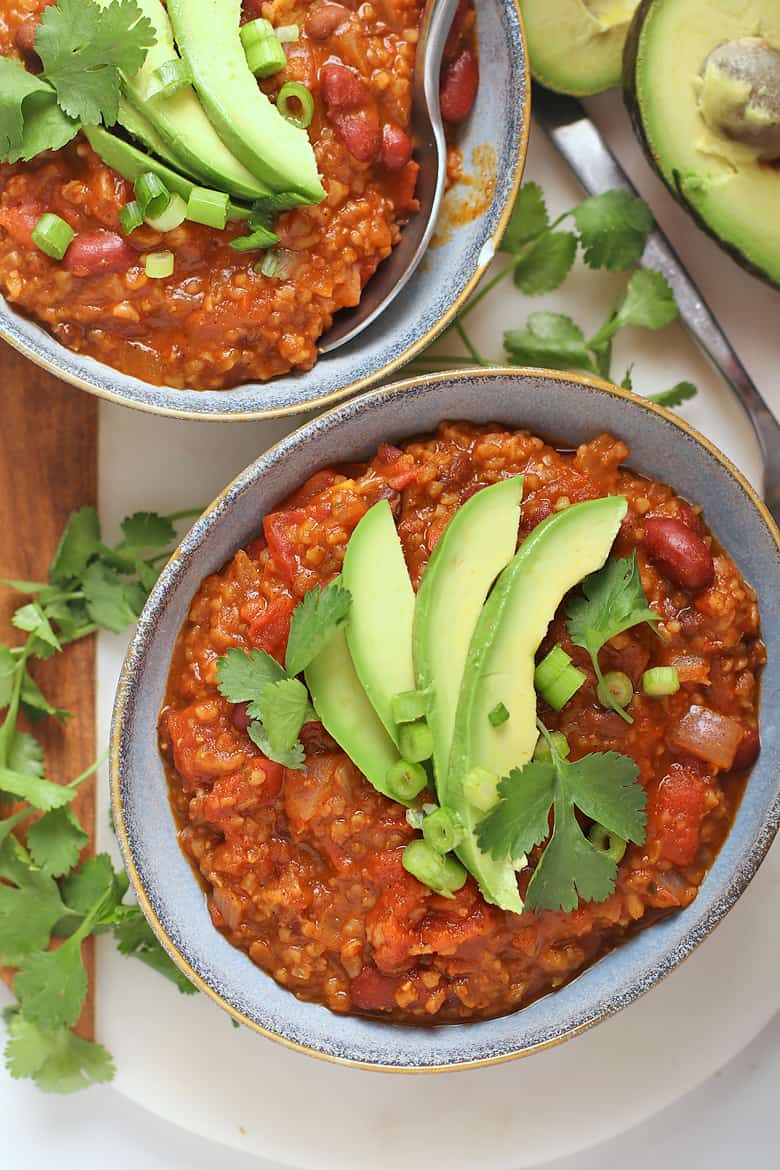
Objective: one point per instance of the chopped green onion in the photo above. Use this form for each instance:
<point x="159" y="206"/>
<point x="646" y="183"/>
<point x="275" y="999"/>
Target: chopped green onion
<point x="443" y="875"/>
<point x="480" y="788"/>
<point x="415" y="741"/>
<point x="563" y="688"/>
<point x="52" y="235"/>
<point x="173" y="216"/>
<point x="408" y="706"/>
<point x="152" y="194"/>
<point x="209" y="207"/>
<point x="168" y="79"/>
<point x="265" y="58"/>
<point x="415" y="817"/>
<point x="287" y="34"/>
<point x="294" y="94"/>
<point x="158" y="265"/>
<point x="131" y="216"/>
<point x="542" y="753"/>
<point x="258" y="240"/>
<point x="550" y="667"/>
<point x="661" y="680"/>
<point x="606" y="842"/>
<point x="255" y="31"/>
<point x="277" y="264"/>
<point x="498" y="715"/>
<point x="615" y="688"/>
<point x="442" y="830"/>
<point x="406" y="779"/>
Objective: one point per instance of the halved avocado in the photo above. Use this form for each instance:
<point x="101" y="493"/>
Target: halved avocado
<point x="576" y="46"/>
<point x="557" y="555"/>
<point x="702" y="84"/>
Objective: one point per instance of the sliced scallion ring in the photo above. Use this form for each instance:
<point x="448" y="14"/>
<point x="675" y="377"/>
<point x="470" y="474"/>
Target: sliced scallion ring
<point x="208" y="207"/>
<point x="174" y="215"/>
<point x="131" y="216"/>
<point x="292" y="95"/>
<point x="266" y="57"/>
<point x="288" y="34"/>
<point x="169" y="78"/>
<point x="277" y="264"/>
<point x="152" y="194"/>
<point x="52" y="235"/>
<point x="158" y="265"/>
<point x="255" y="31"/>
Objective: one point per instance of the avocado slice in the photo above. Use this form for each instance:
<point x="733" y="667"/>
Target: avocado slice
<point x="144" y="132"/>
<point x="704" y="94"/>
<point x="576" y="46"/>
<point x="347" y="714"/>
<point x="475" y="546"/>
<point x="556" y="556"/>
<point x="131" y="163"/>
<point x="207" y="33"/>
<point x="381" y="616"/>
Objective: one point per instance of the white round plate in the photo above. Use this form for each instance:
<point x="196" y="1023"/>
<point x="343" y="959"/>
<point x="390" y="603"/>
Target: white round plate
<point x="181" y="1058"/>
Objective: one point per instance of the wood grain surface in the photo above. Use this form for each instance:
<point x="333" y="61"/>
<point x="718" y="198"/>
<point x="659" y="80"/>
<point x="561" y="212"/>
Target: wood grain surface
<point x="48" y="467"/>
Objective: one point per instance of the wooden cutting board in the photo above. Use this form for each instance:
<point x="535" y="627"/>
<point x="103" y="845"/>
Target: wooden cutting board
<point x="48" y="468"/>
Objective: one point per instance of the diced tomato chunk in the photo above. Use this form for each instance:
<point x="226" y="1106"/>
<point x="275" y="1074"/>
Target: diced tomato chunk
<point x="676" y="810"/>
<point x="270" y="630"/>
<point x="371" y="991"/>
<point x="278" y="527"/>
<point x="314" y="486"/>
<point x="19" y="222"/>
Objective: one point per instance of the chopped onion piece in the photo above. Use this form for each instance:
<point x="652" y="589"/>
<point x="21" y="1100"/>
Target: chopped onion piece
<point x="707" y="735"/>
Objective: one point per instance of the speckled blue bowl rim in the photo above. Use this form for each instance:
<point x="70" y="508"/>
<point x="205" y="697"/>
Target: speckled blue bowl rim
<point x="562" y="407"/>
<point x="426" y="306"/>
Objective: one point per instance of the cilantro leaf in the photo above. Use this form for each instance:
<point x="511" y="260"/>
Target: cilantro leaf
<point x="603" y="786"/>
<point x="55" y="841"/>
<point x="134" y="936"/>
<point x="259" y="238"/>
<point x="528" y="220"/>
<point x="41" y="794"/>
<point x="313" y="623"/>
<point x="613" y="229"/>
<point x="57" y="1060"/>
<point x="551" y="340"/>
<point x="84" y="46"/>
<point x="612" y="601"/>
<point x="25" y="754"/>
<point x="52" y="985"/>
<point x="90" y="885"/>
<point x="109" y="602"/>
<point x="628" y="382"/>
<point x="649" y="302"/>
<point x="33" y="620"/>
<point x="78" y="543"/>
<point x="7" y="673"/>
<point x="147" y="530"/>
<point x="30" y="119"/>
<point x="546" y="263"/>
<point x="241" y="676"/>
<point x="295" y="758"/>
<point x="282" y="709"/>
<point x="678" y="394"/>
<point x="30" y="904"/>
<point x="35" y="702"/>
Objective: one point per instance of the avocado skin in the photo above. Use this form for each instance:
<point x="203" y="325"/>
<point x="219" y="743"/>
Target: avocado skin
<point x="632" y="103"/>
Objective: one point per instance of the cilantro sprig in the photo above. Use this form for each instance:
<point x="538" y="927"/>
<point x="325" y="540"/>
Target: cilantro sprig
<point x="278" y="702"/>
<point x="85" y="48"/>
<point x="45" y="894"/>
<point x="612" y="600"/>
<point x="603" y="786"/>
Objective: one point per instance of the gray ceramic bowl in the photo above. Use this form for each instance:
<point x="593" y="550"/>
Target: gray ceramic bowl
<point x="449" y="272"/>
<point x="568" y="410"/>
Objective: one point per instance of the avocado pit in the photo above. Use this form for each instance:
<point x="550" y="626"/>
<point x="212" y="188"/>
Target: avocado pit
<point x="739" y="94"/>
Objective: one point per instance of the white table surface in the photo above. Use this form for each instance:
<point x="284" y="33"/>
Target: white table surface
<point x="729" y="1120"/>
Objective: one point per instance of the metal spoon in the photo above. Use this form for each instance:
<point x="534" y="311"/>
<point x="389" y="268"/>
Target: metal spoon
<point x="431" y="152"/>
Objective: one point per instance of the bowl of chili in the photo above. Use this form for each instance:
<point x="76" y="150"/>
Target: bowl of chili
<point x="313" y="929"/>
<point x="170" y="318"/>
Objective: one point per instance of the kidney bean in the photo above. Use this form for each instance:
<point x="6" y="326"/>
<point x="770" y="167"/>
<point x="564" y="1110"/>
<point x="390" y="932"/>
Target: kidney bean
<point x="239" y="716"/>
<point x="359" y="131"/>
<point x="679" y="552"/>
<point x="91" y="253"/>
<point x="452" y="43"/>
<point x="396" y="147"/>
<point x="341" y="88"/>
<point x="459" y="83"/>
<point x="323" y="20"/>
<point x="747" y="749"/>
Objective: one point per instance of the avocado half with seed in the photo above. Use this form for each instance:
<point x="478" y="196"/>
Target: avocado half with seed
<point x="702" y="85"/>
<point x="576" y="46"/>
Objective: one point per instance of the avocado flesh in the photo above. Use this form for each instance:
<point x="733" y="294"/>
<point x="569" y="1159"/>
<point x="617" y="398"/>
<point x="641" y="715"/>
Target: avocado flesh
<point x="556" y="556"/>
<point x="381" y="616"/>
<point x="280" y="154"/>
<point x="143" y="131"/>
<point x="475" y="546"/>
<point x="347" y="714"/>
<point x="723" y="182"/>
<point x="131" y="163"/>
<point x="181" y="122"/>
<point x="576" y="46"/>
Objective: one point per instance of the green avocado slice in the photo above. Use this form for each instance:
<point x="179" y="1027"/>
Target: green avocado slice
<point x="470" y="553"/>
<point x="131" y="163"/>
<point x="379" y="626"/>
<point x="556" y="556"/>
<point x="347" y="714"/>
<point x="207" y="33"/>
<point x="576" y="46"/>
